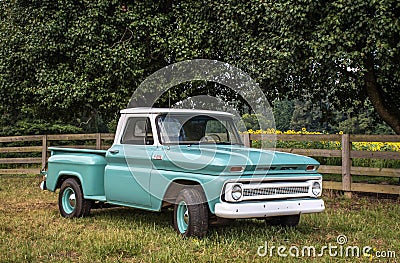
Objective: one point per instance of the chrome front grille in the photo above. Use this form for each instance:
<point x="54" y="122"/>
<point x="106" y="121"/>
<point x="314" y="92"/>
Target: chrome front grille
<point x="288" y="190"/>
<point x="269" y="190"/>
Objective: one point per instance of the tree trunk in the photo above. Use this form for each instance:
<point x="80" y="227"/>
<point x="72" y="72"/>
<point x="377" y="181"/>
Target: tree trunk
<point x="382" y="102"/>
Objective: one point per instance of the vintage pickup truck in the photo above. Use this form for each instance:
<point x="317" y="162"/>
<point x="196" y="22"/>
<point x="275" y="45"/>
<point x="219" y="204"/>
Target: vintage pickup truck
<point x="191" y="160"/>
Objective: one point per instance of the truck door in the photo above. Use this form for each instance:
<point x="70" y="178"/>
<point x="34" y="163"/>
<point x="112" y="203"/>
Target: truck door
<point x="127" y="175"/>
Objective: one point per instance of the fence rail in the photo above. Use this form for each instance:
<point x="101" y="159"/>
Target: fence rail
<point x="346" y="154"/>
<point x="102" y="141"/>
<point x="46" y="141"/>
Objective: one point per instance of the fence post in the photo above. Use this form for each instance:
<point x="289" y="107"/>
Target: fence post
<point x="346" y="165"/>
<point x="44" y="151"/>
<point x="98" y="141"/>
<point x="246" y="139"/>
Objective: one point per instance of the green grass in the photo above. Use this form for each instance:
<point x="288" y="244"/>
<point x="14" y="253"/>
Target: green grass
<point x="32" y="230"/>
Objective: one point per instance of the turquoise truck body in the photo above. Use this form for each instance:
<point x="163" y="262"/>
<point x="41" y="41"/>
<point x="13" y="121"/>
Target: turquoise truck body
<point x="150" y="173"/>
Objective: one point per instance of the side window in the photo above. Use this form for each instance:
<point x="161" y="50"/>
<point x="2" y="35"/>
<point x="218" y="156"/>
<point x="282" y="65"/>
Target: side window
<point x="170" y="129"/>
<point x="138" y="132"/>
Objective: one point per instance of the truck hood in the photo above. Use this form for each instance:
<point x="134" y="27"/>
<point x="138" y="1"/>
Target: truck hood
<point x="231" y="160"/>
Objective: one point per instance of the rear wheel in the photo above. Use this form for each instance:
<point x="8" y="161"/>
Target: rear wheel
<point x="191" y="213"/>
<point x="285" y="221"/>
<point x="70" y="200"/>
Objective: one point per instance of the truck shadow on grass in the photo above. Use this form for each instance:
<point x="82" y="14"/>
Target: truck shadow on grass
<point x="162" y="222"/>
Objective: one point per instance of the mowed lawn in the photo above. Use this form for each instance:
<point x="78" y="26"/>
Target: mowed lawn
<point x="32" y="230"/>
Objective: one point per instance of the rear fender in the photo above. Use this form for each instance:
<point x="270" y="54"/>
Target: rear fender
<point x="64" y="175"/>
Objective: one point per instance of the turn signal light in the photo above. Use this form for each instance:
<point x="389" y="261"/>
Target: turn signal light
<point x="311" y="168"/>
<point x="237" y="169"/>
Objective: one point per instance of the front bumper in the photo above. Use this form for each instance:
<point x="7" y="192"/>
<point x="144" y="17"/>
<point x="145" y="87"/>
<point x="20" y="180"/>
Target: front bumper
<point x="269" y="208"/>
<point x="43" y="185"/>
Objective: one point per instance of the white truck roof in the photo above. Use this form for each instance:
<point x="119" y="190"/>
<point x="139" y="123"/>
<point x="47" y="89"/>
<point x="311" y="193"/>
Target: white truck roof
<point x="145" y="110"/>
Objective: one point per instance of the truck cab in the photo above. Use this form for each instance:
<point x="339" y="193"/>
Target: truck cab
<point x="191" y="160"/>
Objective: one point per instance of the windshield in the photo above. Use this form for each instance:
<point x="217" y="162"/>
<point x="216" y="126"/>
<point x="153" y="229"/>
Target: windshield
<point x="186" y="129"/>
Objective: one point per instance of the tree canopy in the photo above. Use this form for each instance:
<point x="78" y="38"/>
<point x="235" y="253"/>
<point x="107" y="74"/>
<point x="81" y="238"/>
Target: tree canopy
<point x="78" y="62"/>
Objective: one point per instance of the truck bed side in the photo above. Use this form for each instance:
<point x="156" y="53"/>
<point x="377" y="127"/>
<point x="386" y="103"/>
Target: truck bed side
<point x="85" y="164"/>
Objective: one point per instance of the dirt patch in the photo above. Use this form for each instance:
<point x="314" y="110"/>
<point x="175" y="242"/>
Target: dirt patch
<point x="32" y="206"/>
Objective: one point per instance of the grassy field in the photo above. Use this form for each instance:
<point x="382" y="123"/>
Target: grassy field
<point x="31" y="230"/>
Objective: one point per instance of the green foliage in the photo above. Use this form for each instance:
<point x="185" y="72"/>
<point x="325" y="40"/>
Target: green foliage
<point x="78" y="62"/>
<point x="361" y="119"/>
<point x="75" y="61"/>
<point x="256" y="122"/>
<point x="322" y="116"/>
<point x="283" y="112"/>
<point x="38" y="127"/>
<point x="305" y="115"/>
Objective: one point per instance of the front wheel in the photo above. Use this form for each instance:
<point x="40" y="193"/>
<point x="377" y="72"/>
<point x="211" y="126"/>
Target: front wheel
<point x="70" y="200"/>
<point x="191" y="213"/>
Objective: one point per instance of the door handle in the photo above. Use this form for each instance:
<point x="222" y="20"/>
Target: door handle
<point x="114" y="151"/>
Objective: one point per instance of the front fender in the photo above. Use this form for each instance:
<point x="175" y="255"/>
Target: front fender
<point x="162" y="180"/>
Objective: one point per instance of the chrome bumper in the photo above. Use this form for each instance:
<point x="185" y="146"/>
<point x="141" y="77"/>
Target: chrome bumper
<point x="43" y="185"/>
<point x="269" y="208"/>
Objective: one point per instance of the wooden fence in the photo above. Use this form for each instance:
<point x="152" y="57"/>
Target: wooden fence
<point x="42" y="143"/>
<point x="39" y="151"/>
<point x="346" y="154"/>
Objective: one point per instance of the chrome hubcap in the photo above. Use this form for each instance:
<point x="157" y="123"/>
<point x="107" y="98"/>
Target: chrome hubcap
<point x="72" y="200"/>
<point x="186" y="217"/>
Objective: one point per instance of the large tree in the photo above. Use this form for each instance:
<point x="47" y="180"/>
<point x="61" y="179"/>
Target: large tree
<point x="75" y="60"/>
<point x="358" y="42"/>
<point x="343" y="52"/>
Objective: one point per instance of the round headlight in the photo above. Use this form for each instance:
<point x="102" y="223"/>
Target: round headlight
<point x="236" y="192"/>
<point x="316" y="188"/>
